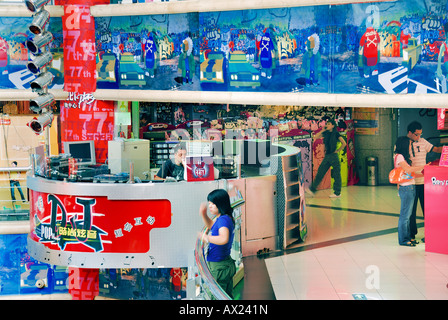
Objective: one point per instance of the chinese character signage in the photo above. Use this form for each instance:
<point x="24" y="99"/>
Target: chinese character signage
<point x="79" y="49"/>
<point x="83" y="283"/>
<point x="444" y="157"/>
<point x="95" y="224"/>
<point x="84" y="118"/>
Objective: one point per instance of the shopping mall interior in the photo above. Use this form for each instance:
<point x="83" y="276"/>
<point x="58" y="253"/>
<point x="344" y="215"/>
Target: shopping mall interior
<point x="350" y="238"/>
<point x="95" y="95"/>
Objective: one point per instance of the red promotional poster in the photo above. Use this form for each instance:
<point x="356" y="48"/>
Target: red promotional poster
<point x="95" y="224"/>
<point x="79" y="49"/>
<point x="200" y="168"/>
<point x="84" y="118"/>
<point x="84" y="2"/>
<point x="83" y="284"/>
<point x="436" y="218"/>
<point x="441" y="119"/>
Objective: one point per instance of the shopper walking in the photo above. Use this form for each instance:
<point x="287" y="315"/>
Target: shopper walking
<point x="420" y="148"/>
<point x="331" y="138"/>
<point x="406" y="190"/>
<point x="220" y="238"/>
<point x="14" y="182"/>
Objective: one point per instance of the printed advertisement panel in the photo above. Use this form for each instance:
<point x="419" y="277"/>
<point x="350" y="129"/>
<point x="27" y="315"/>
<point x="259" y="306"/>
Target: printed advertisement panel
<point x="436" y="217"/>
<point x="79" y="49"/>
<point x="21" y="274"/>
<point x="95" y="224"/>
<point x="84" y="118"/>
<point x="389" y="47"/>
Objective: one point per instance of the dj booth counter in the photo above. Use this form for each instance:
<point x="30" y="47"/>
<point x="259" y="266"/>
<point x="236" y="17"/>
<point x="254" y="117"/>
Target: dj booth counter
<point x="140" y="225"/>
<point x="88" y="226"/>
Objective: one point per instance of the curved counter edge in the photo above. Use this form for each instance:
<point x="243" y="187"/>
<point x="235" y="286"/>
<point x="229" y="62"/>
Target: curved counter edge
<point x="169" y="245"/>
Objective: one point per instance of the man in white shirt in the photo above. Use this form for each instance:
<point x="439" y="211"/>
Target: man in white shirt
<point x="420" y="147"/>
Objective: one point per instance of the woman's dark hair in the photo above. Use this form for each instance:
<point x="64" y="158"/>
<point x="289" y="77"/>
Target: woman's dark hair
<point x="402" y="147"/>
<point x="333" y="122"/>
<point x="221" y="199"/>
<point x="413" y="126"/>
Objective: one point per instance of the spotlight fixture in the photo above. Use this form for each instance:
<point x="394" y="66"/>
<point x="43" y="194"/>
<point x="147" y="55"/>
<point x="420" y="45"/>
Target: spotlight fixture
<point x="35" y="43"/>
<point x="34" y="5"/>
<point x="41" y="61"/>
<point x="40" y="123"/>
<point x="39" y="22"/>
<point x="42" y="82"/>
<point x="43" y="101"/>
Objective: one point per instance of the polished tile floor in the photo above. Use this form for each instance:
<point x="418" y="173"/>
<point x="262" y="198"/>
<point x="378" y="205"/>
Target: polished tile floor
<point x="352" y="252"/>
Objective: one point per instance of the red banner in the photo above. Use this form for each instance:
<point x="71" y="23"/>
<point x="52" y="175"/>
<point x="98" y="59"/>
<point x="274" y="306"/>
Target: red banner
<point x="436" y="217"/>
<point x="95" y="224"/>
<point x="84" y="2"/>
<point x="84" y="118"/>
<point x="441" y="119"/>
<point x="83" y="283"/>
<point x="79" y="49"/>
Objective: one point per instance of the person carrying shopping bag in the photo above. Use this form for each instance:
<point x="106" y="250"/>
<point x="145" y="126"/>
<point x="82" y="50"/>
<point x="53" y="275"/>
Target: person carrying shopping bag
<point x="406" y="190"/>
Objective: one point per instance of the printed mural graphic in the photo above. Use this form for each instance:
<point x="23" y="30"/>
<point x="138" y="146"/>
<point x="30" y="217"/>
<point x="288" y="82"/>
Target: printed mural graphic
<point x="14" y="54"/>
<point x="379" y="47"/>
<point x="21" y="274"/>
<point x="148" y="52"/>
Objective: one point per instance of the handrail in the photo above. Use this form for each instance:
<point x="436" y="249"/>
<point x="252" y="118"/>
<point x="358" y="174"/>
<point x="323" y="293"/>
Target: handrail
<point x="174" y="7"/>
<point x="212" y="287"/>
<point x="20" y="10"/>
<point x="14" y="169"/>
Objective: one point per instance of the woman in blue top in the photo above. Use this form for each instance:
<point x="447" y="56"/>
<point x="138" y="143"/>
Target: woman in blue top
<point x="220" y="238"/>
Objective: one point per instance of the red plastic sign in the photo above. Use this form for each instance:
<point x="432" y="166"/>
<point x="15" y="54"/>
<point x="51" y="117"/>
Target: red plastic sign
<point x="441" y="119"/>
<point x="95" y="224"/>
<point x="88" y="121"/>
<point x="79" y="49"/>
<point x="83" y="283"/>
